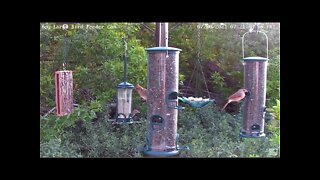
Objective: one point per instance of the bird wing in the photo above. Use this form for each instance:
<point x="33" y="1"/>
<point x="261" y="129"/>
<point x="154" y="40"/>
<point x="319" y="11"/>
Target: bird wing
<point x="236" y="96"/>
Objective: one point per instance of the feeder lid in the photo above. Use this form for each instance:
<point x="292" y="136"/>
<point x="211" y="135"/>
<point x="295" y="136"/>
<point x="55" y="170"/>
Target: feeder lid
<point x="64" y="71"/>
<point x="255" y="59"/>
<point x="125" y="85"/>
<point x="162" y="49"/>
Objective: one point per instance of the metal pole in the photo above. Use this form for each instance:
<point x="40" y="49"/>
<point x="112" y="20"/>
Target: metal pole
<point x="162" y="34"/>
<point x="125" y="62"/>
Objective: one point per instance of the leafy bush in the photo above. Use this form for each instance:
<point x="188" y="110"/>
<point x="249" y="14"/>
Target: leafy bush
<point x="273" y="78"/>
<point x="54" y="149"/>
<point x="52" y="126"/>
<point x="96" y="56"/>
<point x="211" y="133"/>
<point x="102" y="139"/>
<point x="207" y="131"/>
<point x="274" y="126"/>
<point x="47" y="90"/>
<point x="217" y="80"/>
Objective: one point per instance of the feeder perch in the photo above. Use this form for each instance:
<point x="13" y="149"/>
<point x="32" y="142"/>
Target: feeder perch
<point x="124" y="103"/>
<point x="255" y="77"/>
<point x="64" y="92"/>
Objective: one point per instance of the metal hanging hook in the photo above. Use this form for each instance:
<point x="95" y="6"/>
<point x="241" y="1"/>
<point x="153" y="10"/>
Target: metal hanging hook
<point x="125" y="47"/>
<point x="64" y="66"/>
<point x="125" y="54"/>
<point x="64" y="54"/>
<point x="257" y="31"/>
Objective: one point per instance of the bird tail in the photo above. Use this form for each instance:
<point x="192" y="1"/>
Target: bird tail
<point x="225" y="105"/>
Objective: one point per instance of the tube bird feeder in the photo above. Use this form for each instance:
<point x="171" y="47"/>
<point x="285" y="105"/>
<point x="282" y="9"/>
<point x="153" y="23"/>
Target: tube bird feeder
<point x="124" y="103"/>
<point x="255" y="78"/>
<point x="162" y="114"/>
<point x="124" y="98"/>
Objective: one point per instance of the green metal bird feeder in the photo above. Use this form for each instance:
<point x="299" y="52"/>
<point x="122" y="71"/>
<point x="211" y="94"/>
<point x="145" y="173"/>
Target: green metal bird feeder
<point x="124" y="101"/>
<point x="124" y="98"/>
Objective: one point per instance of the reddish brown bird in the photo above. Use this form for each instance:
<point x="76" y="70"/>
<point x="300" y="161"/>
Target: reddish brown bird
<point x="134" y="113"/>
<point x="142" y="92"/>
<point x="236" y="97"/>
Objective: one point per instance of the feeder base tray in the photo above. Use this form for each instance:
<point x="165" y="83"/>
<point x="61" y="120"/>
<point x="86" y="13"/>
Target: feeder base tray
<point x="161" y="153"/>
<point x="124" y="122"/>
<point x="196" y="104"/>
<point x="252" y="135"/>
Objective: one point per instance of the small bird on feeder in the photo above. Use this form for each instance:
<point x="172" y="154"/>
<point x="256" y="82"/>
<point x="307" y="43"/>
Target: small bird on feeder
<point x="135" y="114"/>
<point x="236" y="97"/>
<point x="142" y="92"/>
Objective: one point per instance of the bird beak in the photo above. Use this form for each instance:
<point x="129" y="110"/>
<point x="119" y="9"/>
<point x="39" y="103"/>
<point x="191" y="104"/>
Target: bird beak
<point x="247" y="93"/>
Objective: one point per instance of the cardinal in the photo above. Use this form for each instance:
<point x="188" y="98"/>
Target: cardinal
<point x="142" y="92"/>
<point x="236" y="97"/>
<point x="135" y="114"/>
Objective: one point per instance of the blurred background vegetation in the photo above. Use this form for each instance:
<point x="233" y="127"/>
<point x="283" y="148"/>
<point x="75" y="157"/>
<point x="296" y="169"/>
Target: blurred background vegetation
<point x="96" y="57"/>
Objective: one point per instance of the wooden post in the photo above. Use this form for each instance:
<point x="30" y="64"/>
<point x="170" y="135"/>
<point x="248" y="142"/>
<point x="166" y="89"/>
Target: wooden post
<point x="64" y="92"/>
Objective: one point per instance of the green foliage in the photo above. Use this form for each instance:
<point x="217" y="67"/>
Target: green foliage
<point x="52" y="126"/>
<point x="137" y="65"/>
<point x="207" y="131"/>
<point x="211" y="133"/>
<point x="276" y="110"/>
<point x="274" y="126"/>
<point x="102" y="139"/>
<point x="47" y="90"/>
<point x="107" y="96"/>
<point x="217" y="80"/>
<point x="219" y="84"/>
<point x="273" y="77"/>
<point x="253" y="155"/>
<point x="47" y="130"/>
<point x="81" y="73"/>
<point x="55" y="149"/>
<point x="97" y="58"/>
<point x="182" y="78"/>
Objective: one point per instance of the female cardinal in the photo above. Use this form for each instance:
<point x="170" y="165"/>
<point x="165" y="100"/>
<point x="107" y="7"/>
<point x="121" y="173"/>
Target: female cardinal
<point x="142" y="92"/>
<point x="236" y="97"/>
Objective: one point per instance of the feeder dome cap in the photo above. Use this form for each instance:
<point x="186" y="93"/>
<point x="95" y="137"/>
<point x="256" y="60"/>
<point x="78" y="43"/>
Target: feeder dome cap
<point x="125" y="85"/>
<point x="255" y="59"/>
<point x="162" y="49"/>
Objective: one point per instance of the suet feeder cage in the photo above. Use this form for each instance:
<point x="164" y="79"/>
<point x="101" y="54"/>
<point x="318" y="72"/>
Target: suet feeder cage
<point x="64" y="92"/>
<point x="124" y="103"/>
<point x="162" y="114"/>
<point x="255" y="78"/>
